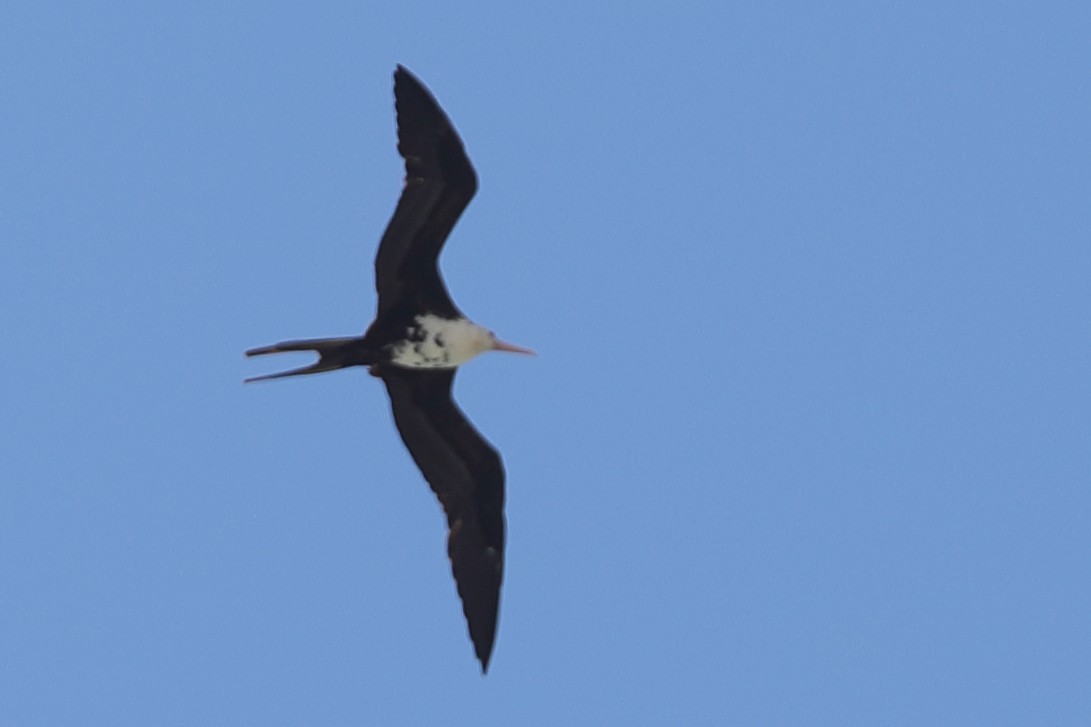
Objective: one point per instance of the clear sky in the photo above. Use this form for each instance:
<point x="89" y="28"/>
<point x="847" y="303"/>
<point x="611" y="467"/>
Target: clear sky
<point x="808" y="441"/>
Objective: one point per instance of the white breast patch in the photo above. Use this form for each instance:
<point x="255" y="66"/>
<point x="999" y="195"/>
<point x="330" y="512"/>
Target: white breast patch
<point x="439" y="343"/>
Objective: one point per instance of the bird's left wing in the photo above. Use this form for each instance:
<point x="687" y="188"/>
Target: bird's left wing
<point x="467" y="476"/>
<point x="439" y="182"/>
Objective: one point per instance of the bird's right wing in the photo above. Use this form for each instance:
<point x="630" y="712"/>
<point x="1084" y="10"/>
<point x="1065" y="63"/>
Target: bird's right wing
<point x="439" y="183"/>
<point x="467" y="476"/>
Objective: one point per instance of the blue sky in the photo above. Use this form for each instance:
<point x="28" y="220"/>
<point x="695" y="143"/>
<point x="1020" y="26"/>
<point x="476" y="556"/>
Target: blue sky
<point x="807" y="438"/>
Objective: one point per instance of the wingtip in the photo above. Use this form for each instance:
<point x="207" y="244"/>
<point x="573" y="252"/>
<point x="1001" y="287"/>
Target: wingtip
<point x="483" y="652"/>
<point x="401" y="72"/>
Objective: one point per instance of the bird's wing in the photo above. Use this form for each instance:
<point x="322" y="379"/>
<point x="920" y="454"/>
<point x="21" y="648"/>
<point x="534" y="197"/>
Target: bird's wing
<point x="439" y="183"/>
<point x="467" y="476"/>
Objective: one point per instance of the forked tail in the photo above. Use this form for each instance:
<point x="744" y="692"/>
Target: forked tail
<point x="333" y="353"/>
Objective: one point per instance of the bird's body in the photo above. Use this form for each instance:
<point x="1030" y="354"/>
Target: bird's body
<point x="417" y="340"/>
<point x="438" y="343"/>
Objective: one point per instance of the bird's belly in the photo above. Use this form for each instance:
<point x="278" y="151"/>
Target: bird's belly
<point x="421" y="355"/>
<point x="435" y="343"/>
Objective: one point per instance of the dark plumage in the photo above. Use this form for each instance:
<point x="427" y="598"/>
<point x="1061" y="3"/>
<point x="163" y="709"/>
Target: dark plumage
<point x="417" y="340"/>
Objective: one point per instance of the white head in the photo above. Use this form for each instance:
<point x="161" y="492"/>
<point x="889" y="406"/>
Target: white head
<point x="470" y="339"/>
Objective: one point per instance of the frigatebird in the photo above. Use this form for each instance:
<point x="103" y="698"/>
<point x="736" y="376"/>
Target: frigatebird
<point x="417" y="340"/>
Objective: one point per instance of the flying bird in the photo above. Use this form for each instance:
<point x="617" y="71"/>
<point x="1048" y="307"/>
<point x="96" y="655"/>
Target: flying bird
<point x="417" y="341"/>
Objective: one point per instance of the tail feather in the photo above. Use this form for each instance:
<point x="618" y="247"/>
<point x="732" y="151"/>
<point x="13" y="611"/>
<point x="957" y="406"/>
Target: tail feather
<point x="333" y="353"/>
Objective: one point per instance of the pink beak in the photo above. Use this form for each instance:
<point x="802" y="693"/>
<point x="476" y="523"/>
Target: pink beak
<point x="498" y="345"/>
